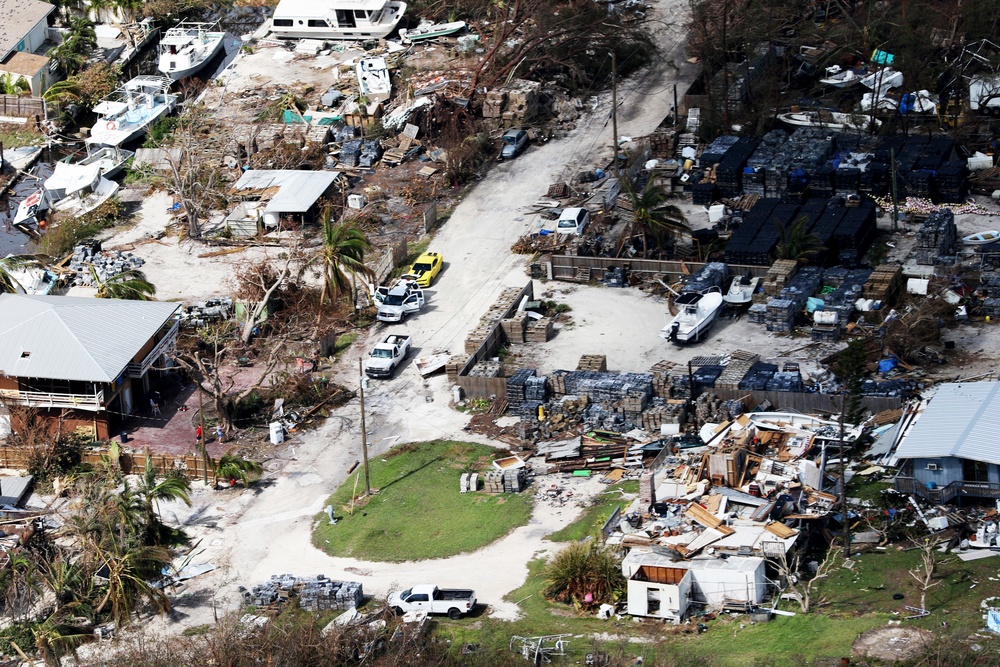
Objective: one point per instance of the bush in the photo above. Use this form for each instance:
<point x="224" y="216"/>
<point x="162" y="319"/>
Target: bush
<point x="584" y="568"/>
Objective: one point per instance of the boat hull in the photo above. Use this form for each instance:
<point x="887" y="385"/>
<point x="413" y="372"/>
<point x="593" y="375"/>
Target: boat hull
<point x="178" y="74"/>
<point x="692" y="327"/>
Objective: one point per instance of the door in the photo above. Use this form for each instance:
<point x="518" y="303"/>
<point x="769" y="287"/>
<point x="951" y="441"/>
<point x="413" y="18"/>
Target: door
<point x="127" y="400"/>
<point x="412" y="304"/>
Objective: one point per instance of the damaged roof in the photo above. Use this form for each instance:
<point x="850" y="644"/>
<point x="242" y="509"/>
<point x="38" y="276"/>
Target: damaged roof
<point x="288" y="190"/>
<point x="961" y="420"/>
<point x="17" y="18"/>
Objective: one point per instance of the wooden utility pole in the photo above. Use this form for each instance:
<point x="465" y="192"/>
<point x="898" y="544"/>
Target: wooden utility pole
<point x="843" y="481"/>
<point x="614" y="113"/>
<point x="364" y="435"/>
<point x="895" y="201"/>
<point x="204" y="446"/>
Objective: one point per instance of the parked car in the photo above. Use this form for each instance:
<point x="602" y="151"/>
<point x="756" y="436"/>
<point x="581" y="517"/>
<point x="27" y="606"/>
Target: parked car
<point x="399" y="302"/>
<point x="455" y="602"/>
<point x="387" y="355"/>
<point x="427" y="267"/>
<point x="514" y="141"/>
<point x="573" y="221"/>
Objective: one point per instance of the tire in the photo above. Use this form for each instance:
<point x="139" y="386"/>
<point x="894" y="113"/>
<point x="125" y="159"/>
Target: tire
<point x="397" y="611"/>
<point x="454" y="614"/>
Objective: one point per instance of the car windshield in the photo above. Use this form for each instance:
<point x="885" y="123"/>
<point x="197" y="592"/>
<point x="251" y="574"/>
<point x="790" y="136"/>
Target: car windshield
<point x="422" y="266"/>
<point x="393" y="300"/>
<point x="382" y="354"/>
<point x="405" y="594"/>
<point x="510" y="139"/>
<point x="567" y="223"/>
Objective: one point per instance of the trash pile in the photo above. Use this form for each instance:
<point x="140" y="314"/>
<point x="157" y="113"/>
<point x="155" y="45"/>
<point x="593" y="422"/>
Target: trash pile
<point x="313" y="593"/>
<point x="199" y="314"/>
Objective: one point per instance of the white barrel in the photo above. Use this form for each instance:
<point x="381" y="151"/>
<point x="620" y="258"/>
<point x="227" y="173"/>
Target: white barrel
<point x="277" y="433"/>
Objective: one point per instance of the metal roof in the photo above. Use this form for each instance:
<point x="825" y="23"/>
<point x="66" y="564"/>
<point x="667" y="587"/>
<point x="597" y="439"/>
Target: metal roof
<point x="297" y="190"/>
<point x="961" y="420"/>
<point x="75" y="338"/>
<point x="17" y="18"/>
<point x="14" y="490"/>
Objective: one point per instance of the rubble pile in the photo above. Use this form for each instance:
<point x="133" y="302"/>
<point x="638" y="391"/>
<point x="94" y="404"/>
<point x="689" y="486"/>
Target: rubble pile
<point x="197" y="315"/>
<point x="313" y="593"/>
<point x="106" y="265"/>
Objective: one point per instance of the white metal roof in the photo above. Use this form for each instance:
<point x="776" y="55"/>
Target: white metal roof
<point x="297" y="190"/>
<point x="75" y="338"/>
<point x="962" y="420"/>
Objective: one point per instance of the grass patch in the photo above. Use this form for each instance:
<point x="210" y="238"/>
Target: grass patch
<point x="871" y="491"/>
<point x="196" y="631"/>
<point x="418" y="512"/>
<point x="344" y="341"/>
<point x="594" y="516"/>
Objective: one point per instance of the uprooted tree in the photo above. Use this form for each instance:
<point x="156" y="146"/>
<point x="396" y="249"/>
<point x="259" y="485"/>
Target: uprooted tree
<point x="801" y="586"/>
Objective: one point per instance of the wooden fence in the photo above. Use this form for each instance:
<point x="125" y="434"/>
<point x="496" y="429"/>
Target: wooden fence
<point x="564" y="267"/>
<point x="805" y="402"/>
<point x="191" y="466"/>
<point x="22" y="107"/>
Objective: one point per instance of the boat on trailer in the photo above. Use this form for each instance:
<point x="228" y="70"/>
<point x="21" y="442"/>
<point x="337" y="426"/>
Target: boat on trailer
<point x="698" y="311"/>
<point x="741" y="289"/>
<point x="336" y="19"/>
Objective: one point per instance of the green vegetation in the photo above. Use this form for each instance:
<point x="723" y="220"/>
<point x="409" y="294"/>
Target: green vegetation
<point x="60" y="239"/>
<point x="585" y="569"/>
<point x="419" y="481"/>
<point x="594" y="516"/>
<point x="344" y="341"/>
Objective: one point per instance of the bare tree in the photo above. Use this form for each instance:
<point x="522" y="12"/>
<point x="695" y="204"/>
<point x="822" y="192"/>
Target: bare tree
<point x="803" y="588"/>
<point x="923" y="574"/>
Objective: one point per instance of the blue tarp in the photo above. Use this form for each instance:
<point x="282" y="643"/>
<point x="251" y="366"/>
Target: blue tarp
<point x="813" y="304"/>
<point x="886" y="365"/>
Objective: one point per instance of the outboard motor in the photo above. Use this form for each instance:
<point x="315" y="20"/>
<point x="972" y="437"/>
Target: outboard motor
<point x="673" y="332"/>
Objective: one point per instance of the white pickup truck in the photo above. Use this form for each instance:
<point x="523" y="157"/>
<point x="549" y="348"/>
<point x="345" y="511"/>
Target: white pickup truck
<point x="455" y="602"/>
<point x="388" y="354"/>
<point x="400" y="301"/>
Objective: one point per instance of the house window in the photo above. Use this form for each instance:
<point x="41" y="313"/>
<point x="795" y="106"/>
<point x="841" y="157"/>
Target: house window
<point x="975" y="471"/>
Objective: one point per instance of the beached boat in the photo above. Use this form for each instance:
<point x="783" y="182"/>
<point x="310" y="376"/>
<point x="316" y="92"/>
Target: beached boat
<point x="741" y="289"/>
<point x="831" y="120"/>
<point x="883" y="79"/>
<point x="112" y="159"/>
<point x="32" y="277"/>
<point x="839" y="78"/>
<point x="128" y="112"/>
<point x="373" y="79"/>
<point x="336" y="19"/>
<point x="430" y="31"/>
<point x="698" y="311"/>
<point x="981" y="238"/>
<point x="187" y="47"/>
<point x="71" y="190"/>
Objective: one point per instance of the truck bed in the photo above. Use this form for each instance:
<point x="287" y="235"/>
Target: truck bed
<point x="453" y="594"/>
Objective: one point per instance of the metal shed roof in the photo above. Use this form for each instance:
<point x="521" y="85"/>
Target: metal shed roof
<point x="14" y="490"/>
<point x="961" y="420"/>
<point x="17" y="18"/>
<point x="297" y="191"/>
<point x="75" y="338"/>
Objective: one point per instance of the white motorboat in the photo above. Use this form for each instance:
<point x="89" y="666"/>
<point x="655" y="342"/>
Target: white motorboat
<point x="336" y="19"/>
<point x="31" y="277"/>
<point x="831" y="120"/>
<point x="882" y="80"/>
<point x="430" y="31"/>
<point x="839" y="78"/>
<point x="128" y="112"/>
<point x="981" y="238"/>
<point x="187" y="47"/>
<point x="373" y="79"/>
<point x="741" y="289"/>
<point x="71" y="190"/>
<point x="986" y="537"/>
<point x="112" y="159"/>
<point x="698" y="311"/>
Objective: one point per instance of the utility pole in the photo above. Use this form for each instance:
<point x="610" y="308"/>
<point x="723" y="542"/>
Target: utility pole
<point x="204" y="446"/>
<point x="364" y="435"/>
<point x="843" y="481"/>
<point x="614" y="113"/>
<point x="895" y="201"/>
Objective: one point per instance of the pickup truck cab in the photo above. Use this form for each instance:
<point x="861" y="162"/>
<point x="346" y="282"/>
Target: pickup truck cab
<point x="573" y="221"/>
<point x="379" y="293"/>
<point x="399" y="302"/>
<point x="387" y="355"/>
<point x="454" y="602"/>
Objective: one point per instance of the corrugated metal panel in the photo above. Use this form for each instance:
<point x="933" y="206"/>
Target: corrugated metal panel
<point x="14" y="490"/>
<point x="297" y="190"/>
<point x="74" y="338"/>
<point x="962" y="420"/>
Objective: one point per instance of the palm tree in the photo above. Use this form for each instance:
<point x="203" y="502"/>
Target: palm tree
<point x="8" y="283"/>
<point x="129" y="569"/>
<point x="61" y="633"/>
<point x="66" y="90"/>
<point x="232" y="467"/>
<point x="652" y="215"/>
<point x="11" y="86"/>
<point x="130" y="285"/>
<point x="152" y="491"/>
<point x="342" y="253"/>
<point x="796" y="243"/>
<point x="71" y="55"/>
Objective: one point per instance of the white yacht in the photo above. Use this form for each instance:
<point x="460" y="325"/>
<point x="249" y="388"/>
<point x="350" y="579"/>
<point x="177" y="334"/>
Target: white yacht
<point x="336" y="19"/>
<point x="373" y="79"/>
<point x="187" y="47"/>
<point x="128" y="112"/>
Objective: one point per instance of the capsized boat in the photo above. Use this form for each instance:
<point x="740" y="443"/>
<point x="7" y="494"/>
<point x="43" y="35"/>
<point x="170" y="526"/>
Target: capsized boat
<point x="839" y="78"/>
<point x="336" y="19"/>
<point x="698" y="311"/>
<point x="981" y="238"/>
<point x="430" y="31"/>
<point x="112" y="159"/>
<point x="31" y="276"/>
<point x="128" y="112"/>
<point x="741" y="289"/>
<point x="831" y="120"/>
<point x="72" y="189"/>
<point x="883" y="79"/>
<point x="187" y="47"/>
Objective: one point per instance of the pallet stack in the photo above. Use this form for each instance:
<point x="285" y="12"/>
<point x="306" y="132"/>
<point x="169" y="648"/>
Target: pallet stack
<point x="454" y="365"/>
<point x="538" y="331"/>
<point x="662" y="372"/>
<point x="593" y="362"/>
<point x="487" y="368"/>
<point x="936" y="237"/>
<point x="672" y="411"/>
<point x="514" y="328"/>
<point x="781" y="315"/>
<point x="515" y="388"/>
<point x="496" y="482"/>
<point x="778" y="275"/>
<point x="740" y="363"/>
<point x="493" y="482"/>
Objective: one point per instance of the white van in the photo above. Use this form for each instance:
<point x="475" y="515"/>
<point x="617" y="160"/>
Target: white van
<point x="573" y="221"/>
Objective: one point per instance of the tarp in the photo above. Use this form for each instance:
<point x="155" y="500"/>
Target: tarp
<point x="886" y="365"/>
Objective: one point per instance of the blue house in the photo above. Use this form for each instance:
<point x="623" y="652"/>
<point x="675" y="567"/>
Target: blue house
<point x="952" y="451"/>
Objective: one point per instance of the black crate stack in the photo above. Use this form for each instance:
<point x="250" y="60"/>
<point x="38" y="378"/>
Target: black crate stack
<point x="755" y="183"/>
<point x="936" y="237"/>
<point x="855" y="233"/>
<point x="716" y="151"/>
<point x="951" y="181"/>
<point x="743" y="247"/>
<point x="713" y="274"/>
<point x="516" y="390"/>
<point x="758" y="376"/>
<point x="729" y="173"/>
